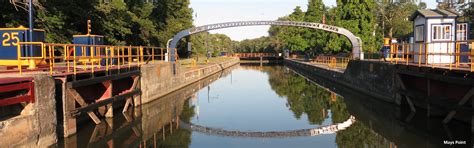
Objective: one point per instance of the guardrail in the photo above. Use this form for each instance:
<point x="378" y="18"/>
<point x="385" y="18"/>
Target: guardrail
<point x="332" y="61"/>
<point x="452" y="55"/>
<point x="77" y="57"/>
<point x="253" y="55"/>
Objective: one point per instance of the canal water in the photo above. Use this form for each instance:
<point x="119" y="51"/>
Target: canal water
<point x="263" y="106"/>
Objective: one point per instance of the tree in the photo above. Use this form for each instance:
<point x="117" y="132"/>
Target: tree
<point x="292" y="37"/>
<point x="172" y="16"/>
<point x="142" y="26"/>
<point x="359" y="18"/>
<point x="215" y="43"/>
<point x="316" y="39"/>
<point x="122" y="22"/>
<point x="393" y="16"/>
<point x="113" y="19"/>
<point x="335" y="42"/>
<point x="468" y="16"/>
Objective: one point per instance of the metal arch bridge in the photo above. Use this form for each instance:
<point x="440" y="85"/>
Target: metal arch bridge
<point x="355" y="41"/>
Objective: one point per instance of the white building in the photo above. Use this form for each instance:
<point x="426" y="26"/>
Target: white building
<point x="437" y="32"/>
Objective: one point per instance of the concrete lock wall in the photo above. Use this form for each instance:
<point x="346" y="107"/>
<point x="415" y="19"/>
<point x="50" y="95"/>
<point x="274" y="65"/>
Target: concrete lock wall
<point x="372" y="78"/>
<point x="36" y="126"/>
<point x="158" y="80"/>
<point x="161" y="112"/>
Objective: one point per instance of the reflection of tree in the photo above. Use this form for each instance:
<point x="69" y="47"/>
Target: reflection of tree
<point x="188" y="112"/>
<point x="304" y="97"/>
<point x="359" y="135"/>
<point x="180" y="137"/>
<point x="339" y="110"/>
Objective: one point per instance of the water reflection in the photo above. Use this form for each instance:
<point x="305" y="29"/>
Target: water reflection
<point x="313" y="102"/>
<point x="304" y="97"/>
<point x="323" y="130"/>
<point x="266" y="103"/>
<point x="381" y="124"/>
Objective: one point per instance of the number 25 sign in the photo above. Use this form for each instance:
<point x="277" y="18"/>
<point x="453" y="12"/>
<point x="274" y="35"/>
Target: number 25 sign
<point x="10" y="38"/>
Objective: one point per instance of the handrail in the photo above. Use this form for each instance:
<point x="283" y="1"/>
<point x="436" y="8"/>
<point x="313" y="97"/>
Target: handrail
<point x="452" y="55"/>
<point x="253" y="55"/>
<point x="81" y="57"/>
<point x="332" y="61"/>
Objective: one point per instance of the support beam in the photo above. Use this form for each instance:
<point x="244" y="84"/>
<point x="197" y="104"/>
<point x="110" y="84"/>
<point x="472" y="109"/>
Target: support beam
<point x="463" y="101"/>
<point x="403" y="87"/>
<point x="93" y="106"/>
<point x="129" y="102"/>
<point x="69" y="104"/>
<point x="75" y="95"/>
<point x="97" y="80"/>
<point x="108" y="94"/>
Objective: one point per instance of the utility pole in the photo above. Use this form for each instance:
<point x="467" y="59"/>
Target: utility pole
<point x="30" y="20"/>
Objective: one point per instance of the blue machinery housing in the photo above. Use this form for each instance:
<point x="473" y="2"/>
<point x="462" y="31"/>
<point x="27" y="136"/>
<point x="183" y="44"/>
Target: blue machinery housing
<point x="10" y="38"/>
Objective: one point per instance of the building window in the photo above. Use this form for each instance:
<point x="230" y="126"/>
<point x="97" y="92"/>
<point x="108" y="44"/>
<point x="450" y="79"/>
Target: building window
<point x="461" y="32"/>
<point x="419" y="33"/>
<point x="441" y="32"/>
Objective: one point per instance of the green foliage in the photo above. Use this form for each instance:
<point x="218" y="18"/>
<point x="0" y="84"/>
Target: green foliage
<point x="392" y="18"/>
<point x="306" y="98"/>
<point x="121" y="22"/>
<point x="261" y="44"/>
<point x="291" y="38"/>
<point x="469" y="17"/>
<point x="370" y="20"/>
<point x="316" y="39"/>
<point x="359" y="18"/>
<point x="113" y="19"/>
<point x="356" y="16"/>
<point x="215" y="43"/>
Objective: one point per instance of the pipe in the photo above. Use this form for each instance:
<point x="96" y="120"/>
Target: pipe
<point x="30" y="19"/>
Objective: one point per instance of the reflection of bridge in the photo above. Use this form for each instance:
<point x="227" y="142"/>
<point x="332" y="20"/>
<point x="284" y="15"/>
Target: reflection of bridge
<point x="329" y="129"/>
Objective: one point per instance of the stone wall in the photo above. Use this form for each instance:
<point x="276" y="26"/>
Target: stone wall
<point x="36" y="126"/>
<point x="158" y="80"/>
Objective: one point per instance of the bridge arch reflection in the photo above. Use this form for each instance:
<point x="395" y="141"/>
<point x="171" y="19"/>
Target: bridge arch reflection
<point x="323" y="130"/>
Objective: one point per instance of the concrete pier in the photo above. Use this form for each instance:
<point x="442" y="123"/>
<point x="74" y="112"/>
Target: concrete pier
<point x="159" y="113"/>
<point x="36" y="124"/>
<point x="158" y="79"/>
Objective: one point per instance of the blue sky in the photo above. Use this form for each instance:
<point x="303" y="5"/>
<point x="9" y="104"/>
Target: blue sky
<point x="216" y="11"/>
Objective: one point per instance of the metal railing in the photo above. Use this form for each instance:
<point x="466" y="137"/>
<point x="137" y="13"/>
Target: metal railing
<point x="253" y="55"/>
<point x="452" y="55"/>
<point x="91" y="58"/>
<point x="332" y="61"/>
